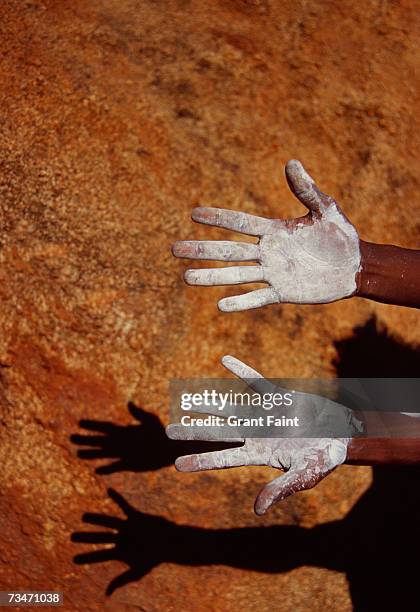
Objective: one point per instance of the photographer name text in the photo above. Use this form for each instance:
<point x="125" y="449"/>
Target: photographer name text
<point x="268" y="420"/>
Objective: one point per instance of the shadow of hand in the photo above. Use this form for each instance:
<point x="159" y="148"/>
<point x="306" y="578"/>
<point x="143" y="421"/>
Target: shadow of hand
<point x="143" y="541"/>
<point x="137" y="541"/>
<point x="135" y="448"/>
<point x="370" y="544"/>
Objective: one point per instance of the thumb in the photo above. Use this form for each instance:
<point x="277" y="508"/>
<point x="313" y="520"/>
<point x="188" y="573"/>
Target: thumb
<point x="304" y="188"/>
<point x="142" y="415"/>
<point x="292" y="482"/>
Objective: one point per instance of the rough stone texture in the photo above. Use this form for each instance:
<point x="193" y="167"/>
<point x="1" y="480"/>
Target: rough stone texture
<point x="117" y="118"/>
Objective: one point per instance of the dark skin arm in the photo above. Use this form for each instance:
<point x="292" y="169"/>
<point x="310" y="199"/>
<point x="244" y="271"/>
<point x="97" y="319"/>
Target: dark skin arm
<point x="389" y="274"/>
<point x="383" y="451"/>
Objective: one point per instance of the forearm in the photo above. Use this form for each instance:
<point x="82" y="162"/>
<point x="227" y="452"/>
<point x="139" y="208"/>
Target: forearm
<point x="389" y="274"/>
<point x="382" y="451"/>
<point x="390" y="438"/>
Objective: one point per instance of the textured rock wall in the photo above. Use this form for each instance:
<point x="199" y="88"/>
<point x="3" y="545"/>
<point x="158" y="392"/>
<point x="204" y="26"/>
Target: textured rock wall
<point x="117" y="118"/>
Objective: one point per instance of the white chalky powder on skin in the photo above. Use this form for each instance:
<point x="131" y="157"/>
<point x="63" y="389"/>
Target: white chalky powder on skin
<point x="309" y="262"/>
<point x="305" y="460"/>
<point x="312" y="260"/>
<point x="315" y="263"/>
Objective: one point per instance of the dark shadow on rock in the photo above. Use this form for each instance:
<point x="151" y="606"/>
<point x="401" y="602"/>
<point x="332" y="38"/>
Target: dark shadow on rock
<point x="376" y="544"/>
<point x="385" y="523"/>
<point x="136" y="448"/>
<point x="371" y="352"/>
<point x="143" y="541"/>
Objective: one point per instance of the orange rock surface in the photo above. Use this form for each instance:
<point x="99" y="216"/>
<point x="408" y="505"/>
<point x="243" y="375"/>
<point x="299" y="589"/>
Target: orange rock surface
<point x="117" y="118"/>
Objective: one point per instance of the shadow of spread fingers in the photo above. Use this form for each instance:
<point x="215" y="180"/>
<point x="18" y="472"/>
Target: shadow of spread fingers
<point x="94" y="537"/>
<point x="96" y="556"/>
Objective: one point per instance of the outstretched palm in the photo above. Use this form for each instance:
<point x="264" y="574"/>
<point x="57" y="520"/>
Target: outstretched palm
<point x="307" y="460"/>
<point x="310" y="260"/>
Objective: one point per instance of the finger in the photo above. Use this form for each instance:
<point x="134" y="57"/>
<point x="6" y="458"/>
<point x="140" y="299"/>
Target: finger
<point x="100" y="426"/>
<point x="133" y="574"/>
<point x="96" y="556"/>
<point x="246" y="301"/>
<point x="122" y="503"/>
<point x="251" y="377"/>
<point x="103" y="520"/>
<point x="141" y="415"/>
<point x="236" y="275"/>
<point x="239" y="368"/>
<point x="94" y="453"/>
<point x="304" y="188"/>
<point x="217" y="250"/>
<point x="234" y="220"/>
<point x="94" y="537"/>
<point x="111" y="468"/>
<point x="176" y="431"/>
<point x="217" y="460"/>
<point x="284" y="486"/>
<point x="88" y="440"/>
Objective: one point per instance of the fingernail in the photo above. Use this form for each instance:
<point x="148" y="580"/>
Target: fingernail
<point x="178" y="249"/>
<point x="227" y="359"/>
<point x="223" y="305"/>
<point x="296" y="170"/>
<point x="259" y="509"/>
<point x="187" y="464"/>
<point x="198" y="213"/>
<point x="170" y="430"/>
<point x="190" y="277"/>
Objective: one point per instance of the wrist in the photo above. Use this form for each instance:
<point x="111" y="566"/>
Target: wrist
<point x="383" y="451"/>
<point x="374" y="270"/>
<point x="389" y="274"/>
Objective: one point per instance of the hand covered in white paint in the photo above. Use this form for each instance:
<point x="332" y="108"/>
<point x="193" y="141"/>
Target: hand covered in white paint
<point x="306" y="460"/>
<point x="310" y="260"/>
